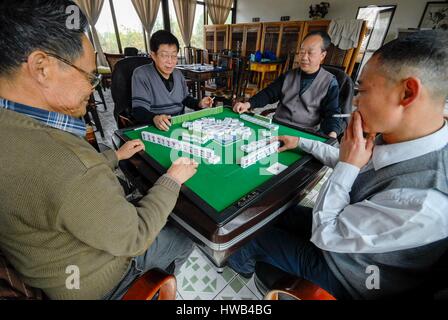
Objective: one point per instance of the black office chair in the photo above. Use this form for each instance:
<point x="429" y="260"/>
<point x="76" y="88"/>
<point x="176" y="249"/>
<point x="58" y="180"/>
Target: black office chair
<point x="130" y="52"/>
<point x="121" y="89"/>
<point x="346" y="90"/>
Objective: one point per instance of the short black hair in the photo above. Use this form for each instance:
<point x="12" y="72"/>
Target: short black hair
<point x="423" y="54"/>
<point x="31" y="25"/>
<point x="162" y="37"/>
<point x="325" y="38"/>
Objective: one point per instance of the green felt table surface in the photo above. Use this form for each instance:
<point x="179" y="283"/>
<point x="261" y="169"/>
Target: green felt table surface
<point x="223" y="184"/>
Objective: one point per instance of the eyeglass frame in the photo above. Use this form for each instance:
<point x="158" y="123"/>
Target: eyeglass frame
<point x="94" y="79"/>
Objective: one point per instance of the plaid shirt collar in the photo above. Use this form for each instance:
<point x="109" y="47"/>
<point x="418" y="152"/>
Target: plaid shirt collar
<point x="53" y="119"/>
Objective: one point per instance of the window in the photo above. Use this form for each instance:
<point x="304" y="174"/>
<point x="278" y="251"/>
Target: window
<point x="129" y="25"/>
<point x="197" y="36"/>
<point x="106" y="31"/>
<point x="229" y="18"/>
<point x="158" y="25"/>
<point x="378" y="19"/>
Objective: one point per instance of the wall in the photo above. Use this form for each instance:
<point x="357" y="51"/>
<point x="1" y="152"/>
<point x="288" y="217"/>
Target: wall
<point x="407" y="13"/>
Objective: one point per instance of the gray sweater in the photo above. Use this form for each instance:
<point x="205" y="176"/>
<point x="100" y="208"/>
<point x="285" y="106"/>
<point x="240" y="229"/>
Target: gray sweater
<point x="151" y="94"/>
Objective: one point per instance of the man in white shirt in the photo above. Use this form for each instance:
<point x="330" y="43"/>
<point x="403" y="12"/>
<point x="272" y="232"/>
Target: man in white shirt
<point x="384" y="209"/>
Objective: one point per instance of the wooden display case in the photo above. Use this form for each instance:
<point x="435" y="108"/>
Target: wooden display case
<point x="247" y="35"/>
<point x="281" y="38"/>
<point x="216" y="37"/>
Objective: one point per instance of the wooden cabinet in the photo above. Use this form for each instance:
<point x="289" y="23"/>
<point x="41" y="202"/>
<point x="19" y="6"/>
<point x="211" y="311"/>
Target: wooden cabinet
<point x="247" y="36"/>
<point x="281" y="38"/>
<point x="337" y="57"/>
<point x="216" y="37"/>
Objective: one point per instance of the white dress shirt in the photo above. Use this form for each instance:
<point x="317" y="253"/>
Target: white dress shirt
<point x="391" y="220"/>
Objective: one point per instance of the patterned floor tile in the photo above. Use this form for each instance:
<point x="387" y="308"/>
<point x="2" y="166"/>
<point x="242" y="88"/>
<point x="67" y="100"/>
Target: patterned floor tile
<point x="236" y="290"/>
<point x="178" y="296"/>
<point x="198" y="279"/>
<point x="251" y="286"/>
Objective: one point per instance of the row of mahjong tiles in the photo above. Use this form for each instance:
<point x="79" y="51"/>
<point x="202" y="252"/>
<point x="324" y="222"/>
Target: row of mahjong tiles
<point x="257" y="150"/>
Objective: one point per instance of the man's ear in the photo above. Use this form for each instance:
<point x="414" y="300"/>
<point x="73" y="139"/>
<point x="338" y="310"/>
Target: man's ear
<point x="411" y="90"/>
<point x="153" y="54"/>
<point x="39" y="66"/>
<point x="323" y="56"/>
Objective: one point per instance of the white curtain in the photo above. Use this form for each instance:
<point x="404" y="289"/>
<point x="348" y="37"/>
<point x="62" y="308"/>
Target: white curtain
<point x="147" y="11"/>
<point x="185" y="11"/>
<point x="92" y="10"/>
<point x="219" y="10"/>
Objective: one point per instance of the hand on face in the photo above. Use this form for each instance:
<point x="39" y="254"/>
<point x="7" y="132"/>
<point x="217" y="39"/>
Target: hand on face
<point x="129" y="149"/>
<point x="355" y="149"/>
<point x="162" y="122"/>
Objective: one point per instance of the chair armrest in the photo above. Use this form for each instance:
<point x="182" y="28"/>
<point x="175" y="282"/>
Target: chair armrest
<point x="152" y="282"/>
<point x="299" y="289"/>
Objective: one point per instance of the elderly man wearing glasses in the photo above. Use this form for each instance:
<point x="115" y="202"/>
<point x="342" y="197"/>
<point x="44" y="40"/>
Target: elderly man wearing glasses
<point x="62" y="207"/>
<point x="159" y="91"/>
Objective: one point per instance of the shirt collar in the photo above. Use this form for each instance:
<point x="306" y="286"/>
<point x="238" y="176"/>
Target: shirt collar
<point x="52" y="119"/>
<point x="387" y="154"/>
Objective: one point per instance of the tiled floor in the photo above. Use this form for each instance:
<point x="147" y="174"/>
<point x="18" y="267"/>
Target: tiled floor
<point x="198" y="279"/>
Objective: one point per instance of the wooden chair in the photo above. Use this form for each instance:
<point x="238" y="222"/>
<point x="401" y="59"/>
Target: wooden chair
<point x="195" y="55"/>
<point x="299" y="289"/>
<point x="154" y="284"/>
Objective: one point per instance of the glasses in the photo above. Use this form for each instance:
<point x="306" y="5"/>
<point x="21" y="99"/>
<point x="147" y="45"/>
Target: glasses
<point x="166" y="56"/>
<point x="93" y="79"/>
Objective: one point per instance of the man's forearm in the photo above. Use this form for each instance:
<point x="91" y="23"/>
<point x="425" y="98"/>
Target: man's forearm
<point x="325" y="153"/>
<point x="143" y="116"/>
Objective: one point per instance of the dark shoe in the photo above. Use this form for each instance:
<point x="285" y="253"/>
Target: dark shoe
<point x="267" y="277"/>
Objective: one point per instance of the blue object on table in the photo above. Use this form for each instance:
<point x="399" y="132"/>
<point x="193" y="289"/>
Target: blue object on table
<point x="258" y="56"/>
<point x="269" y="55"/>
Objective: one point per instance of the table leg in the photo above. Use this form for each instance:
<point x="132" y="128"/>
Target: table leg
<point x="199" y="90"/>
<point x="262" y="80"/>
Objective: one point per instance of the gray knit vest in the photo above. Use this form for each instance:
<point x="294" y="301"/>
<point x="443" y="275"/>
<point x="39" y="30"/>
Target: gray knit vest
<point x="401" y="270"/>
<point x="303" y="110"/>
<point x="163" y="101"/>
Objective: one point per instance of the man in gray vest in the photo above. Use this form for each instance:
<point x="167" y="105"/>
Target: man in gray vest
<point x="159" y="90"/>
<point x="380" y="222"/>
<point x="308" y="96"/>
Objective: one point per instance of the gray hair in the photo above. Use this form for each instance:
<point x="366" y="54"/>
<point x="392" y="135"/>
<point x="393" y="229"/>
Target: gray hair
<point x="31" y="25"/>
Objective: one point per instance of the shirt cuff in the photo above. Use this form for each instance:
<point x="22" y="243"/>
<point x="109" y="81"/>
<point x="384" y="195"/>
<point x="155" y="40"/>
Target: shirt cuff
<point x="345" y="174"/>
<point x="169" y="182"/>
<point x="305" y="144"/>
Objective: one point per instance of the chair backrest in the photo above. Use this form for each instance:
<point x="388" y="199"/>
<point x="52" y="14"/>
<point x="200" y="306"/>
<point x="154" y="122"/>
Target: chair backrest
<point x="112" y="59"/>
<point x="121" y="88"/>
<point x="12" y="287"/>
<point x="130" y="52"/>
<point x="346" y="90"/>
<point x="195" y="55"/>
<point x="242" y="78"/>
